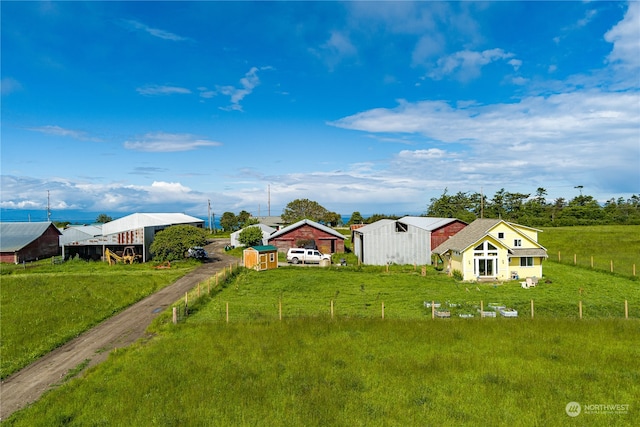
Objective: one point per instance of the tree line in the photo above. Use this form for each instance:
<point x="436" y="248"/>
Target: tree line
<point x="522" y="208"/>
<point x="536" y="210"/>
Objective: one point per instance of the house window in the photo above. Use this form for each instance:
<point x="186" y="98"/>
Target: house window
<point x="501" y="235"/>
<point x="526" y="261"/>
<point x="517" y="242"/>
<point x="401" y="228"/>
<point x="485" y="260"/>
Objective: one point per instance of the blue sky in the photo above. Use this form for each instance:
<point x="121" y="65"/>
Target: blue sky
<point x="373" y="107"/>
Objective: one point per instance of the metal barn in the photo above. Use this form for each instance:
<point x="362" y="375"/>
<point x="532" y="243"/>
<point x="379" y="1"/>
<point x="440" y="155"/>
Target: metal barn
<point x="408" y="240"/>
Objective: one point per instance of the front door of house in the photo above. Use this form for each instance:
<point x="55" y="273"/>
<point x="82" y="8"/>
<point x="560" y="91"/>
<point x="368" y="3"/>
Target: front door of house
<point x="485" y="260"/>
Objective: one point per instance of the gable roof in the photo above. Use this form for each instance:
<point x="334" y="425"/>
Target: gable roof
<point x="478" y="229"/>
<point x="423" y="222"/>
<point x="16" y="235"/>
<point x="426" y="222"/>
<point x="374" y="225"/>
<point x="265" y="229"/>
<point x="310" y="223"/>
<point x="467" y="236"/>
<point x="141" y="220"/>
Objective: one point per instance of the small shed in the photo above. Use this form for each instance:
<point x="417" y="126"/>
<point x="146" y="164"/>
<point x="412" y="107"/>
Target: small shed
<point x="260" y="257"/>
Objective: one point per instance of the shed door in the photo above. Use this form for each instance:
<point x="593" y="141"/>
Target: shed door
<point x="263" y="262"/>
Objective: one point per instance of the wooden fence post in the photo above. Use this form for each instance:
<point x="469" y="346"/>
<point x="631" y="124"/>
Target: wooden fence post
<point x="591" y="261"/>
<point x="424" y="271"/>
<point x="280" y="309"/>
<point x="383" y="310"/>
<point x="626" y="309"/>
<point x="634" y="269"/>
<point x="433" y="309"/>
<point x="558" y="256"/>
<point x="227" y="312"/>
<point x="532" y="309"/>
<point x="175" y="315"/>
<point x="580" y="308"/>
<point x="611" y="266"/>
<point x="575" y="259"/>
<point x="331" y="309"/>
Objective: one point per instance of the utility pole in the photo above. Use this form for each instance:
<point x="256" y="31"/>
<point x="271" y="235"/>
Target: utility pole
<point x="48" y="208"/>
<point x="209" y="216"/>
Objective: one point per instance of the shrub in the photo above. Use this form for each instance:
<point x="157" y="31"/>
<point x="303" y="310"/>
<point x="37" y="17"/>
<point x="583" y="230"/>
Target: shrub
<point x="171" y="243"/>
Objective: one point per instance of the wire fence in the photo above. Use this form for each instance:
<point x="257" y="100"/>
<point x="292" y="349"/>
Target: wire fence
<point x="599" y="263"/>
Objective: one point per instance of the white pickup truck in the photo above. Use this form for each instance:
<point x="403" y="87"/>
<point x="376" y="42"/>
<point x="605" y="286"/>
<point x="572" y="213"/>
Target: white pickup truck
<point x="306" y="256"/>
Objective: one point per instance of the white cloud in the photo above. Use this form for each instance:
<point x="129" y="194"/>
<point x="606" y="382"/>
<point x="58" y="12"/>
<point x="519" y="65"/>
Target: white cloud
<point x="165" y="35"/>
<point x="466" y="65"/>
<point x="625" y="37"/>
<point x="249" y="82"/>
<point x="59" y="131"/>
<point x="151" y="90"/>
<point x="587" y="136"/>
<point x="162" y="142"/>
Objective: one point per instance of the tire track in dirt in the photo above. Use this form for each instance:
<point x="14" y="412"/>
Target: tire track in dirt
<point x="27" y="385"/>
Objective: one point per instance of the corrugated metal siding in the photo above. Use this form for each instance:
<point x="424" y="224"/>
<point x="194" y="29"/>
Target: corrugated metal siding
<point x="384" y="245"/>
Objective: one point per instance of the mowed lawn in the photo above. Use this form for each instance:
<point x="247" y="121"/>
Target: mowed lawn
<point x="46" y="305"/>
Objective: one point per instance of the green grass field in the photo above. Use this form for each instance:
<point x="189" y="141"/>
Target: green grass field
<point x="605" y="243"/>
<point x="358" y="372"/>
<point x="46" y="305"/>
<point x="361" y="292"/>
<point x="358" y="369"/>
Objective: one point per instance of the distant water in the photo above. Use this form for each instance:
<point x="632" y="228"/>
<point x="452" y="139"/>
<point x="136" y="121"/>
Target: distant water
<point x="72" y="216"/>
<point x="80" y="217"/>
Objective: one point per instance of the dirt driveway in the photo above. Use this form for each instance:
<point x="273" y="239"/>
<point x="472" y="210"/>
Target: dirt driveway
<point x="121" y="330"/>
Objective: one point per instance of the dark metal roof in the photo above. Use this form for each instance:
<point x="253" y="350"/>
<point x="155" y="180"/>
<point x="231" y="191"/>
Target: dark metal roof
<point x="16" y="235"/>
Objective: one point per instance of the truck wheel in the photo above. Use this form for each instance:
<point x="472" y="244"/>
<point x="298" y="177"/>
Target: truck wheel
<point x="294" y="260"/>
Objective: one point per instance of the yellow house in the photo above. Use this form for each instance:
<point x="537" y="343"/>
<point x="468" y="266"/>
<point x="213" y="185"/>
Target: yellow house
<point x="493" y="249"/>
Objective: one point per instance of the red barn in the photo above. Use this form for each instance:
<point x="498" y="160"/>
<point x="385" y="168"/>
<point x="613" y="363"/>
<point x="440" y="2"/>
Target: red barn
<point x="307" y="233"/>
<point x="28" y="241"/>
